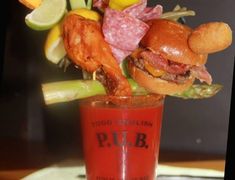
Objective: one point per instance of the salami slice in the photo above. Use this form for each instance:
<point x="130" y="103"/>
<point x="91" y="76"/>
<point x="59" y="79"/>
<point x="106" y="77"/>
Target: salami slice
<point x="151" y="13"/>
<point x="141" y="11"/>
<point x="136" y="9"/>
<point x="119" y="54"/>
<point x="123" y="31"/>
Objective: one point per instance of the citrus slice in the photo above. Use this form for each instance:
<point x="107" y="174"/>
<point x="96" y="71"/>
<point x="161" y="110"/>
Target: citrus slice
<point x="75" y="4"/>
<point x="54" y="46"/>
<point x="46" y="15"/>
<point x="32" y="4"/>
<point x="121" y="4"/>
<point x="86" y="13"/>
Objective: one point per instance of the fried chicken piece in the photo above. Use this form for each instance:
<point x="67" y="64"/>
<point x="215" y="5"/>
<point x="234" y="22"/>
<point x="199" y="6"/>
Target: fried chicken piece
<point x="86" y="47"/>
<point x="210" y="37"/>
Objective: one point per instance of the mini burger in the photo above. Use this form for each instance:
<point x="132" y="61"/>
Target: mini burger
<point x="165" y="63"/>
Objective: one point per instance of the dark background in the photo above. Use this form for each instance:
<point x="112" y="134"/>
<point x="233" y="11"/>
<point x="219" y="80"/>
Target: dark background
<point x="198" y="125"/>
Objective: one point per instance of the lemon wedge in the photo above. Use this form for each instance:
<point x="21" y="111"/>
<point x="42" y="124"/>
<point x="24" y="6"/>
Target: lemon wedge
<point x="121" y="4"/>
<point x="49" y="13"/>
<point x="54" y="46"/>
<point x="86" y="13"/>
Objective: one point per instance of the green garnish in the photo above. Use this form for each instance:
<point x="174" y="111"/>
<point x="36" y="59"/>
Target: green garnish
<point x="177" y="13"/>
<point x="65" y="91"/>
<point x="200" y="91"/>
<point x="75" y="4"/>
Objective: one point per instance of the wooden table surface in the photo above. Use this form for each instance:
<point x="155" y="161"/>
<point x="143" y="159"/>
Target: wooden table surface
<point x="19" y="158"/>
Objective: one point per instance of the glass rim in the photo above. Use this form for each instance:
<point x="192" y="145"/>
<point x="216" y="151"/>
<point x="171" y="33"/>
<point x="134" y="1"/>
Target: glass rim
<point x="125" y="101"/>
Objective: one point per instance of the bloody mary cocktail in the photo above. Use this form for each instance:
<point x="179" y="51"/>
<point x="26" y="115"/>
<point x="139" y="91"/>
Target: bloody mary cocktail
<point x="121" y="136"/>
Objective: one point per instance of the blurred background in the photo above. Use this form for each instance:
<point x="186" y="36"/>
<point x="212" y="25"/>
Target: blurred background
<point x="188" y="125"/>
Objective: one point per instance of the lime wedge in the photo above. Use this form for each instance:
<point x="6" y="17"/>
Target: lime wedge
<point x="75" y="4"/>
<point x="46" y="15"/>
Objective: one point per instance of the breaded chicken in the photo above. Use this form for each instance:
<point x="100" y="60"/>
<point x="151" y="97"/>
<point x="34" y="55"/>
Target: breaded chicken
<point x="86" y="47"/>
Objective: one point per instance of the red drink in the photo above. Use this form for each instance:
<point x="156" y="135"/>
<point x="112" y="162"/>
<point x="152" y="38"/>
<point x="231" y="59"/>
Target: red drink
<point x="121" y="142"/>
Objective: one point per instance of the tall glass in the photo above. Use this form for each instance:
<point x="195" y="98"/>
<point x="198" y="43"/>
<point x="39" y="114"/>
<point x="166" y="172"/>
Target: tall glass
<point x="121" y="136"/>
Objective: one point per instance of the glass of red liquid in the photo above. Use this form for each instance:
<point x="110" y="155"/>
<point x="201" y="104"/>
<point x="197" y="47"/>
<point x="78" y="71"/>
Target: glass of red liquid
<point x="121" y="136"/>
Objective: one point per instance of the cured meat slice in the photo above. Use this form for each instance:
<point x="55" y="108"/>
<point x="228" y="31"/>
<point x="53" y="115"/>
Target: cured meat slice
<point x="142" y="12"/>
<point x="119" y="54"/>
<point x="163" y="64"/>
<point x="123" y="31"/>
<point x="136" y="9"/>
<point x="151" y="13"/>
<point x="202" y="74"/>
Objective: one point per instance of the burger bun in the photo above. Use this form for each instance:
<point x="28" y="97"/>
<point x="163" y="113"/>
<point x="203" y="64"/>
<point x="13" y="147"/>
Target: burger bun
<point x="157" y="85"/>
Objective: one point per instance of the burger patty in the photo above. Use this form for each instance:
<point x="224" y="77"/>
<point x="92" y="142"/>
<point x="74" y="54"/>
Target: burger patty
<point x="176" y="78"/>
<point x="159" y="62"/>
<point x="179" y="79"/>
